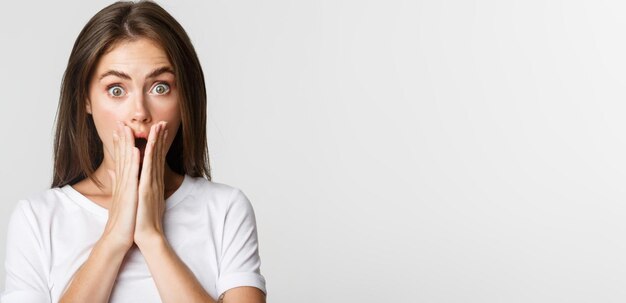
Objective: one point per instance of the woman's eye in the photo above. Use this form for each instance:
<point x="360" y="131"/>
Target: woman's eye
<point x="161" y="88"/>
<point x="115" y="91"/>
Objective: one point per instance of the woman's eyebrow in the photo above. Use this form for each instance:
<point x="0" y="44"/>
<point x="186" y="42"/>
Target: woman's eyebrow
<point x="154" y="73"/>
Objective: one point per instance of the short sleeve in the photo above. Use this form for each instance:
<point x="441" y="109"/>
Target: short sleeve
<point x="240" y="264"/>
<point x="26" y="275"/>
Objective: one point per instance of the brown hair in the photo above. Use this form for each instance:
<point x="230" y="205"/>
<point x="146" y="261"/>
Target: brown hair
<point x="78" y="149"/>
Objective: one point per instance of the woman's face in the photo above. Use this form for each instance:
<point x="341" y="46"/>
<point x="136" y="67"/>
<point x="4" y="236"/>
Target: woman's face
<point x="133" y="83"/>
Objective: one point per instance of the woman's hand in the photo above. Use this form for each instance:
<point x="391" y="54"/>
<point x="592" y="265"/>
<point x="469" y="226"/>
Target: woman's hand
<point x="120" y="226"/>
<point x="151" y="196"/>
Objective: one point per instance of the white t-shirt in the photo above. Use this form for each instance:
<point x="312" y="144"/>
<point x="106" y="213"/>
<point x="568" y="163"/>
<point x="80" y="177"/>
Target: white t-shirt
<point x="211" y="227"/>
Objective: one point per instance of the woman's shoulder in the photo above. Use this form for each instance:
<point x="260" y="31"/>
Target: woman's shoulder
<point x="38" y="207"/>
<point x="204" y="185"/>
<point x="45" y="200"/>
<point x="218" y="193"/>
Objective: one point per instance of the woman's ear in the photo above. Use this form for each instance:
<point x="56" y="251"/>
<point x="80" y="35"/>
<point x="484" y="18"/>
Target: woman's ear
<point x="88" y="106"/>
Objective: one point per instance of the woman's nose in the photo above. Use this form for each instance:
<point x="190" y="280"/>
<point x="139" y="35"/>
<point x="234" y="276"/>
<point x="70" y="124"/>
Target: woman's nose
<point x="140" y="112"/>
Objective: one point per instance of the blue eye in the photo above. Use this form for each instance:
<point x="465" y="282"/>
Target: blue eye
<point x="162" y="88"/>
<point x="115" y="90"/>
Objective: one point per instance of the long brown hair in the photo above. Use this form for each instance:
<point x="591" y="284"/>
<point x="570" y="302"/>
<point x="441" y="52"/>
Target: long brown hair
<point x="78" y="149"/>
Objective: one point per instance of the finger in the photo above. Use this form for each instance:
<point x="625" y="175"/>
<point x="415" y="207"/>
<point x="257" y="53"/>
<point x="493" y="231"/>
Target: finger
<point x="162" y="159"/>
<point x="134" y="170"/>
<point x="163" y="141"/>
<point x="116" y="152"/>
<point x="121" y="147"/>
<point x="164" y="149"/>
<point x="121" y="144"/>
<point x="148" y="156"/>
<point x="130" y="144"/>
<point x="159" y="157"/>
<point x="162" y="156"/>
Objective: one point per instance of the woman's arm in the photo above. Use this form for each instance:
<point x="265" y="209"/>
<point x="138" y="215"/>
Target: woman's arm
<point x="176" y="283"/>
<point x="174" y="280"/>
<point x="94" y="280"/>
<point x="247" y="294"/>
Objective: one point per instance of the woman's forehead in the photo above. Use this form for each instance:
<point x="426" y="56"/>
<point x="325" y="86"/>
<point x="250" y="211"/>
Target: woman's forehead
<point x="138" y="58"/>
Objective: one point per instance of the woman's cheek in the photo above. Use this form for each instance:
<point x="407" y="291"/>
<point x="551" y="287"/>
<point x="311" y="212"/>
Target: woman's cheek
<point x="171" y="135"/>
<point x="105" y="125"/>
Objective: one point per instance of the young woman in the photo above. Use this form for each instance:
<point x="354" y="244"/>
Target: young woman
<point x="132" y="214"/>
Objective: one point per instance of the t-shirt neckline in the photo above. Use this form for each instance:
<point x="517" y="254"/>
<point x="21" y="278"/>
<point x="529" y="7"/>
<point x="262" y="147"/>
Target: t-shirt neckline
<point x="180" y="193"/>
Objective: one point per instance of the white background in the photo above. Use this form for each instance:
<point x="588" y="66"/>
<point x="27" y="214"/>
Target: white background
<point x="394" y="151"/>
